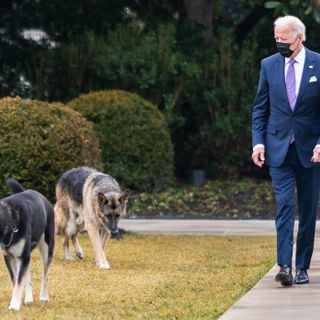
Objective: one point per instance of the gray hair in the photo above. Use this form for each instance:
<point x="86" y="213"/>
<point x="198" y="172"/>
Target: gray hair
<point x="295" y="23"/>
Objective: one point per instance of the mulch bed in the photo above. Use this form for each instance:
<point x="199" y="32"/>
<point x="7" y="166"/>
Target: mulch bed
<point x="219" y="199"/>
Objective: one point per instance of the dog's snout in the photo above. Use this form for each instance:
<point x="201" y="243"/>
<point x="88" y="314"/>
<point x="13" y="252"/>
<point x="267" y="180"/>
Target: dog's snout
<point x="114" y="232"/>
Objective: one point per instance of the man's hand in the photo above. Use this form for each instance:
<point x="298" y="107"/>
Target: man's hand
<point x="316" y="154"/>
<point x="258" y="157"/>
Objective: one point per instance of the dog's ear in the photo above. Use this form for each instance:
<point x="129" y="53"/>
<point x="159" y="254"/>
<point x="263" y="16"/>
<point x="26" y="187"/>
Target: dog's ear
<point x="124" y="196"/>
<point x="101" y="198"/>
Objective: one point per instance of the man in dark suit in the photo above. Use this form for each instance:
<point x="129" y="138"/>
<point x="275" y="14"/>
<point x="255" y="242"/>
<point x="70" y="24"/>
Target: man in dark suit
<point x="286" y="135"/>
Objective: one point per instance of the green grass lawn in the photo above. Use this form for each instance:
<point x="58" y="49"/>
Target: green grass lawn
<point x="152" y="277"/>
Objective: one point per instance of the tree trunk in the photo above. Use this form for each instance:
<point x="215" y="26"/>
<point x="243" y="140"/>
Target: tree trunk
<point x="198" y="12"/>
<point x="316" y="5"/>
<point x="249" y="22"/>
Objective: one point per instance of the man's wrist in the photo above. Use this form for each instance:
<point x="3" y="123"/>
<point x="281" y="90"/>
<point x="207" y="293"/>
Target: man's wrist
<point x="260" y="146"/>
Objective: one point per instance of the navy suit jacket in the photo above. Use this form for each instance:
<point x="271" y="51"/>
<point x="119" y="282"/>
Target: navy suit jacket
<point x="273" y="121"/>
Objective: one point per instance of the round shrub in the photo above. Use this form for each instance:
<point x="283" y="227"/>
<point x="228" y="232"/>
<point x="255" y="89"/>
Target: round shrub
<point x="39" y="141"/>
<point x="134" y="138"/>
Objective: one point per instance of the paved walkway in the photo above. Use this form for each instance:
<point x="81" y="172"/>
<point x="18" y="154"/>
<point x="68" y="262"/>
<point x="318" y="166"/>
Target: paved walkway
<point x="199" y="226"/>
<point x="267" y="300"/>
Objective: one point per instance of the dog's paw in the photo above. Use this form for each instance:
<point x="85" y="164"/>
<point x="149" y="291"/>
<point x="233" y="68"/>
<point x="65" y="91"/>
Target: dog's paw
<point x="13" y="307"/>
<point x="44" y="299"/>
<point x="69" y="258"/>
<point x="80" y="255"/>
<point x="105" y="266"/>
<point x="28" y="301"/>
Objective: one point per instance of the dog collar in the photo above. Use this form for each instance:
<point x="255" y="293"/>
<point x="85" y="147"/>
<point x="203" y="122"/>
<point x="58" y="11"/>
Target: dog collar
<point x="4" y="245"/>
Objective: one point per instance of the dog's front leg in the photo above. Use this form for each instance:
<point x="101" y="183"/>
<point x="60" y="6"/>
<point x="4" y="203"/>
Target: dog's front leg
<point x="22" y="266"/>
<point x="104" y="237"/>
<point x="12" y="267"/>
<point x="28" y="298"/>
<point x="44" y="255"/>
<point x="96" y="243"/>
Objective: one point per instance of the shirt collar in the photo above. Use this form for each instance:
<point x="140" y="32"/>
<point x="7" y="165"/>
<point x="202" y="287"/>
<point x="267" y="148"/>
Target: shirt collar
<point x="300" y="57"/>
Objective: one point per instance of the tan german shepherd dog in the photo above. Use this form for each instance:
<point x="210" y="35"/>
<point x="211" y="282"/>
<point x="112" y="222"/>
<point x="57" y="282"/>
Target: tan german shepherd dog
<point x="88" y="200"/>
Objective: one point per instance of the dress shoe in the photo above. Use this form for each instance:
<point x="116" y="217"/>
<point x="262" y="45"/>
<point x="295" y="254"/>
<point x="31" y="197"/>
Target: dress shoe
<point x="301" y="277"/>
<point x="284" y="276"/>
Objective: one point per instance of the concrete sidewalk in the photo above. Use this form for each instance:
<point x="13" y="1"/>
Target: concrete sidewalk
<point x="200" y="227"/>
<point x="269" y="300"/>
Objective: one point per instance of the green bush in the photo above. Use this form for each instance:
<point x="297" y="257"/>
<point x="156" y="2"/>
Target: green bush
<point x="39" y="141"/>
<point x="135" y="141"/>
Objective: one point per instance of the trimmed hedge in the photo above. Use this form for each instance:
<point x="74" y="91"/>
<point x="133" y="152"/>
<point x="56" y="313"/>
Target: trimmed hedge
<point x="134" y="137"/>
<point x="39" y="141"/>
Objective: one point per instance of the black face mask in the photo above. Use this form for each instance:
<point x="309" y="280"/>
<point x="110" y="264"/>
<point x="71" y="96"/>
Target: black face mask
<point x="284" y="49"/>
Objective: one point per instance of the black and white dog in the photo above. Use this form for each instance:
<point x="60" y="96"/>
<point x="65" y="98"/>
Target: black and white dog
<point x="26" y="222"/>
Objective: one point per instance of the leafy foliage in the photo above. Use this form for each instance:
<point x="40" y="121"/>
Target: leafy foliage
<point x="234" y="199"/>
<point x="199" y="92"/>
<point x="135" y="141"/>
<point x="39" y="141"/>
<point x="221" y="109"/>
<point x="205" y="89"/>
<point x="300" y="8"/>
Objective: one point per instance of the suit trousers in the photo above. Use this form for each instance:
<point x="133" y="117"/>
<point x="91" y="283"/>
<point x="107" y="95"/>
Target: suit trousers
<point x="294" y="184"/>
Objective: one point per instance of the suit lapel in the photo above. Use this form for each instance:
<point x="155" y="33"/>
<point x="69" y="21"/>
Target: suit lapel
<point x="308" y="70"/>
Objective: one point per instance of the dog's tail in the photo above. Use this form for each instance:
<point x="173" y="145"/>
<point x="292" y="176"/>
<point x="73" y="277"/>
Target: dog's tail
<point x="14" y="186"/>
